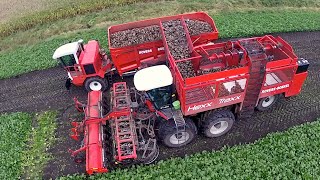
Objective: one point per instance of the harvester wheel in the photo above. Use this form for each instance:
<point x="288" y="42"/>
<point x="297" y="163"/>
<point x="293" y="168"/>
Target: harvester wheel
<point x="267" y="102"/>
<point x="172" y="138"/>
<point x="217" y="123"/>
<point x="152" y="157"/>
<point x="95" y="84"/>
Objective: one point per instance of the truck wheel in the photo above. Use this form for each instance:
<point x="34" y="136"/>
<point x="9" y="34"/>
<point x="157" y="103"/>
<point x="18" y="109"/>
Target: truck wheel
<point x="95" y="84"/>
<point x="218" y="123"/>
<point x="267" y="102"/>
<point x="171" y="138"/>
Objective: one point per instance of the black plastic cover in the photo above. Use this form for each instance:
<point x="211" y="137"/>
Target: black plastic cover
<point x="89" y="69"/>
<point x="303" y="65"/>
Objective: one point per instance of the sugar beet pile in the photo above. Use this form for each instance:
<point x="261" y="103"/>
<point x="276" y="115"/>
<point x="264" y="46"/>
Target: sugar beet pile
<point x="175" y="36"/>
<point x="178" y="46"/>
<point x="135" y="36"/>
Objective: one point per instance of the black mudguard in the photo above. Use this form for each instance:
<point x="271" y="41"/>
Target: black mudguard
<point x="68" y="83"/>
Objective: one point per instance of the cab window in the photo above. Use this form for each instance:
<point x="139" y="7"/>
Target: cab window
<point x="161" y="97"/>
<point x="68" y="60"/>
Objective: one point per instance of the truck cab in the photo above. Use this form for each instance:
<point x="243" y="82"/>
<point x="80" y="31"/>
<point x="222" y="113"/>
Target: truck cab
<point x="85" y="64"/>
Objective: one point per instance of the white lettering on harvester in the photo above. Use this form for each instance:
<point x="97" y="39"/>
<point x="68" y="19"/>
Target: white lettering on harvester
<point x="160" y="48"/>
<point x="145" y="51"/>
<point x="226" y="100"/>
<point x="275" y="88"/>
<point x="194" y="108"/>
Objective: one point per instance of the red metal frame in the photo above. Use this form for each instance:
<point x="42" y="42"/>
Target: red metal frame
<point x="92" y="128"/>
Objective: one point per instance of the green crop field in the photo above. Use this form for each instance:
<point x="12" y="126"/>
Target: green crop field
<point x="293" y="154"/>
<point x="24" y="142"/>
<point x="30" y="31"/>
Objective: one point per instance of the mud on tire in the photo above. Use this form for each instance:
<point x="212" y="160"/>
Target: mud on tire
<point x="217" y="123"/>
<point x="169" y="136"/>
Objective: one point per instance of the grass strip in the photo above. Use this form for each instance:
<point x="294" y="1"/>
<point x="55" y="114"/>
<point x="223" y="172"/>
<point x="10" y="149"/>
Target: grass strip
<point x="49" y="16"/>
<point x="231" y="24"/>
<point x="293" y="154"/>
<point x="14" y="133"/>
<point x="42" y="137"/>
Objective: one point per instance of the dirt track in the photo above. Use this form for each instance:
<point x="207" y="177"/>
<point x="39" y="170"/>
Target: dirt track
<point x="44" y="90"/>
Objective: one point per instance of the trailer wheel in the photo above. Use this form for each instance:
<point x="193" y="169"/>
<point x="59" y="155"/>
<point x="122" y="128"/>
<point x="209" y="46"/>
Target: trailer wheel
<point x="267" y="102"/>
<point x="217" y="123"/>
<point x="95" y="84"/>
<point x="171" y="138"/>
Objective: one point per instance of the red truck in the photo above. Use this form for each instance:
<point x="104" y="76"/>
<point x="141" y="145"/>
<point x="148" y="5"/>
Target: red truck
<point x="184" y="81"/>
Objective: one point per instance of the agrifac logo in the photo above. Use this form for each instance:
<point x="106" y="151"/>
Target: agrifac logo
<point x="275" y="88"/>
<point x="194" y="108"/>
<point x="226" y="100"/>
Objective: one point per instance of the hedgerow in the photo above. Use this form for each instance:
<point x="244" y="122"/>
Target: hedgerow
<point x="231" y="24"/>
<point x="293" y="154"/>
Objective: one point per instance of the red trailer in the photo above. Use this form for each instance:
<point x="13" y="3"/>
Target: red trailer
<point x="88" y="65"/>
<point x="185" y="84"/>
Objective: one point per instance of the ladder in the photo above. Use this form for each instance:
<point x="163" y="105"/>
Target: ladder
<point x="125" y="130"/>
<point x="257" y="71"/>
<point x="180" y="124"/>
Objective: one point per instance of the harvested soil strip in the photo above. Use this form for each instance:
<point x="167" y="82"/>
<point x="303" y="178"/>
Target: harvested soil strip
<point x="135" y="36"/>
<point x="178" y="46"/>
<point x="196" y="27"/>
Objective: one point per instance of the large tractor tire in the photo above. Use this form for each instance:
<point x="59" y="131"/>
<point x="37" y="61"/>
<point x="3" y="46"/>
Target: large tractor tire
<point x="217" y="123"/>
<point x="95" y="84"/>
<point x="267" y="102"/>
<point x="172" y="138"/>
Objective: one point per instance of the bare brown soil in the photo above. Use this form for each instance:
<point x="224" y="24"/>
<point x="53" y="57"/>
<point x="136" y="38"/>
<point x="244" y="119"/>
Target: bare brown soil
<point x="17" y="8"/>
<point x="44" y="90"/>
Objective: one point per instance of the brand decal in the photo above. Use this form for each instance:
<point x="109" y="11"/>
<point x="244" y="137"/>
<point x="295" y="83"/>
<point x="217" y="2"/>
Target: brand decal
<point x="194" y="108"/>
<point x="275" y="88"/>
<point x="226" y="100"/>
<point x="160" y="48"/>
<point x="145" y="51"/>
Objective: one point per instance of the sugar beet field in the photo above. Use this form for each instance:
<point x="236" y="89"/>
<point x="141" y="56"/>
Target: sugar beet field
<point x="44" y="90"/>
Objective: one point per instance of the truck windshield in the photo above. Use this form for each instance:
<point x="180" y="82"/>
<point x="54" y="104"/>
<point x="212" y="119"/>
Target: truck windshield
<point x="68" y="60"/>
<point x="161" y="97"/>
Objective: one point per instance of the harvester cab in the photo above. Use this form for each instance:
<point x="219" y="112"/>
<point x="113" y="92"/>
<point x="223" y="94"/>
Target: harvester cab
<point x="156" y="81"/>
<point x="85" y="64"/>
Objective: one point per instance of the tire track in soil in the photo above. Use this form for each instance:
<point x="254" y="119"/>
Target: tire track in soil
<point x="36" y="91"/>
<point x="43" y="90"/>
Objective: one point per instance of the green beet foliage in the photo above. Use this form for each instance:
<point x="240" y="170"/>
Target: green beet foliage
<point x="14" y="132"/>
<point x="24" y="140"/>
